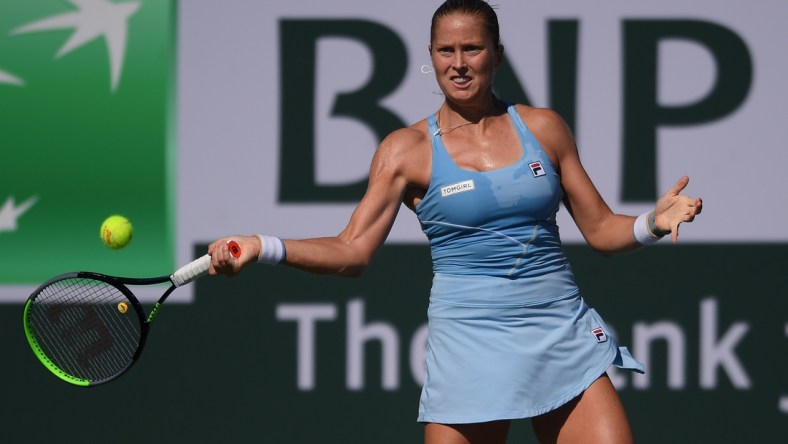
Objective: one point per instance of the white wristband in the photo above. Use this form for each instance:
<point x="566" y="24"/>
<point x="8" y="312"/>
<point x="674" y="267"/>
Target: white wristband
<point x="641" y="230"/>
<point x="272" y="250"/>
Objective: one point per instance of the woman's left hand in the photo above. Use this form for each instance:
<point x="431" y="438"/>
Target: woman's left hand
<point x="673" y="208"/>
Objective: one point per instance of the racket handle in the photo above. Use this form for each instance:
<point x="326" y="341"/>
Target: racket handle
<point x="191" y="271"/>
<point x="199" y="267"/>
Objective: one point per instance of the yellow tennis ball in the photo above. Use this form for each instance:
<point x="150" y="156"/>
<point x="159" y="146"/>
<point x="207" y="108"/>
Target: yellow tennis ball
<point x="116" y="232"/>
<point x="122" y="307"/>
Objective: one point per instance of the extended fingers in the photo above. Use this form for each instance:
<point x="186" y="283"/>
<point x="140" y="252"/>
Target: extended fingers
<point x="691" y="208"/>
<point x="674" y="233"/>
<point x="679" y="186"/>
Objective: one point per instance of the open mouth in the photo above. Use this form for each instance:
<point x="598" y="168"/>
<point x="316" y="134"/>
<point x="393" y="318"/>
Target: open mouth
<point x="460" y="80"/>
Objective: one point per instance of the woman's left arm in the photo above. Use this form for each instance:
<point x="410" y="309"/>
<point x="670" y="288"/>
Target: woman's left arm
<point x="606" y="232"/>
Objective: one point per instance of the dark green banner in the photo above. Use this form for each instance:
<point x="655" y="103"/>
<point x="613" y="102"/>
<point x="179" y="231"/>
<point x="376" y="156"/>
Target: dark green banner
<point x="277" y="355"/>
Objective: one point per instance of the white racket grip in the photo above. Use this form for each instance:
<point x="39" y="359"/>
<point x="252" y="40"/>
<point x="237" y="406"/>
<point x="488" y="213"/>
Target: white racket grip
<point x="191" y="271"/>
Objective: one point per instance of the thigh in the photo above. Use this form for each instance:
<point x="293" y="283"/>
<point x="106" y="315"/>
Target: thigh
<point x="493" y="432"/>
<point x="596" y="416"/>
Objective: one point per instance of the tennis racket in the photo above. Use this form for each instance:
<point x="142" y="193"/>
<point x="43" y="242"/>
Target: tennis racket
<point x="89" y="328"/>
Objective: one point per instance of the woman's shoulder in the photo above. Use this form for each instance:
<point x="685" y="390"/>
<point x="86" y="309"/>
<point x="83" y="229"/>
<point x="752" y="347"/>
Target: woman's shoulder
<point x="550" y="129"/>
<point x="546" y="124"/>
<point x="405" y="148"/>
<point x="408" y="138"/>
<point x="406" y="153"/>
<point x="539" y="118"/>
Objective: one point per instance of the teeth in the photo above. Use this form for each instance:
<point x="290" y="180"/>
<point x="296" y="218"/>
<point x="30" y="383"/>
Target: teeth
<point x="462" y="79"/>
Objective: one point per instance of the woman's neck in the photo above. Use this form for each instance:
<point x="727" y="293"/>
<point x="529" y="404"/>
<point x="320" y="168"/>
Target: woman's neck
<point x="452" y="116"/>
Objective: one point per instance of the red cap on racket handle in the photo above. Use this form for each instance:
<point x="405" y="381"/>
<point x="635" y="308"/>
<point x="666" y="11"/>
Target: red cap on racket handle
<point x="234" y="248"/>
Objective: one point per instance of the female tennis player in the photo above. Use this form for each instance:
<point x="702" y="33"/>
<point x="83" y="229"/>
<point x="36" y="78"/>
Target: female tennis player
<point x="510" y="335"/>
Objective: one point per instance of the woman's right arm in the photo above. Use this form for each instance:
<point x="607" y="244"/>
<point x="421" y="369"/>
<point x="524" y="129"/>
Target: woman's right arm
<point x="349" y="253"/>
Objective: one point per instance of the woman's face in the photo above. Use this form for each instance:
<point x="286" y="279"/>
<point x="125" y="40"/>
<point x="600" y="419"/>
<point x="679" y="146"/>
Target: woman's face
<point x="464" y="57"/>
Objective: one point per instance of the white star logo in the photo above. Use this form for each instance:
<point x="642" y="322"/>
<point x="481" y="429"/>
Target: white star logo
<point x="93" y="19"/>
<point x="6" y="77"/>
<point x="9" y="213"/>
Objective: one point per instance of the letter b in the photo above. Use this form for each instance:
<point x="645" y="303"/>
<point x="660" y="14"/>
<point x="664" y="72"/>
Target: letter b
<point x="298" y="65"/>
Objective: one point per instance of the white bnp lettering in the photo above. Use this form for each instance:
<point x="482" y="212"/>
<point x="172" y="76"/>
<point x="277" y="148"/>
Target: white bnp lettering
<point x="673" y="335"/>
<point x="720" y="354"/>
<point x="357" y="335"/>
<point x="716" y="352"/>
<point x="307" y="316"/>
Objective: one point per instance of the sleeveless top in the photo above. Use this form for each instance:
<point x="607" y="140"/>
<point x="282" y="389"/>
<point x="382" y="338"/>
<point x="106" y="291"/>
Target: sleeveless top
<point x="497" y="223"/>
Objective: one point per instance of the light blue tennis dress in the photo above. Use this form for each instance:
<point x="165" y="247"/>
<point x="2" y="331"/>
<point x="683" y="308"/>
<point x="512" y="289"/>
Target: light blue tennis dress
<point x="509" y="334"/>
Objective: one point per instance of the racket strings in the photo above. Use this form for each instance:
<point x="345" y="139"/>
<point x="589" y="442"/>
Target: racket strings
<point x="79" y="326"/>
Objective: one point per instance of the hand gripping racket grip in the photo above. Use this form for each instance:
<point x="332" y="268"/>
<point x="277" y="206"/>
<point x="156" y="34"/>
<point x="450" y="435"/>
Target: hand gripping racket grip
<point x="199" y="267"/>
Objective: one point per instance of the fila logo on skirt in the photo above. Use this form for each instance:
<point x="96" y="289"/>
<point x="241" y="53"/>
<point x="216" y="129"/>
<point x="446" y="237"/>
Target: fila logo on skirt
<point x="599" y="334"/>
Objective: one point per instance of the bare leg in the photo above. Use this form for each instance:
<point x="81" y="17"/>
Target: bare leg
<point x="596" y="416"/>
<point x="494" y="432"/>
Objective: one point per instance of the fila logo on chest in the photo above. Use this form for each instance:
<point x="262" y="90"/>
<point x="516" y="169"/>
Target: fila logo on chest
<point x="536" y="169"/>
